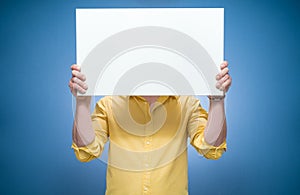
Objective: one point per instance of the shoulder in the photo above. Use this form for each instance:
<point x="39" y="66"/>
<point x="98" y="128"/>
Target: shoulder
<point x="104" y="101"/>
<point x="107" y="101"/>
<point x="189" y="103"/>
<point x="189" y="100"/>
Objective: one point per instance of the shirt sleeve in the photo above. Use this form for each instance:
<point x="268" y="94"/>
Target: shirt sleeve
<point x="196" y="125"/>
<point x="100" y="126"/>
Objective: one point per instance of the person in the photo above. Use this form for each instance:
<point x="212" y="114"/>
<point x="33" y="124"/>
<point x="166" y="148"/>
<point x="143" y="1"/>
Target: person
<point x="148" y="135"/>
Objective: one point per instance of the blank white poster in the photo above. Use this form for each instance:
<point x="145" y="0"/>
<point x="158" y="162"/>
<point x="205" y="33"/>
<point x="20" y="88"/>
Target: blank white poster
<point x="150" y="51"/>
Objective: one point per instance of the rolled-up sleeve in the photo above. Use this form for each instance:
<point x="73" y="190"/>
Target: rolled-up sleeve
<point x="100" y="126"/>
<point x="196" y="126"/>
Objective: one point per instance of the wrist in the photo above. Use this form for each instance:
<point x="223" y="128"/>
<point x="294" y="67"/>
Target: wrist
<point x="216" y="98"/>
<point x="83" y="100"/>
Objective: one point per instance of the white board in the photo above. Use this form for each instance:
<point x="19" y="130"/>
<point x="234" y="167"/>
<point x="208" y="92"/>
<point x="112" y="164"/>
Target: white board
<point x="150" y="51"/>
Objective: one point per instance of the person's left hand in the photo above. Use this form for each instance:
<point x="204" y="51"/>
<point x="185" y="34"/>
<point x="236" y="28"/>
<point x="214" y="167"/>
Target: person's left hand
<point x="223" y="78"/>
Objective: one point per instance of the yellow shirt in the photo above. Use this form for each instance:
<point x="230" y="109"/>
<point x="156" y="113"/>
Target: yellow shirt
<point x="148" y="145"/>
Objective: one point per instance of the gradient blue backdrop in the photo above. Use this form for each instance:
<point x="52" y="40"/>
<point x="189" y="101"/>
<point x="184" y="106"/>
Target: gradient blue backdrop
<point x="37" y="47"/>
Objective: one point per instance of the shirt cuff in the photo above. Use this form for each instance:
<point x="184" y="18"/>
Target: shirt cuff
<point x="207" y="150"/>
<point x="88" y="152"/>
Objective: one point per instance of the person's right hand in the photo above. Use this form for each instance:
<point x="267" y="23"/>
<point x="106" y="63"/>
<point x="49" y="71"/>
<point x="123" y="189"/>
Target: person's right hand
<point x="77" y="82"/>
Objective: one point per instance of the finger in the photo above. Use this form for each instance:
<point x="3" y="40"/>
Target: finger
<point x="222" y="73"/>
<point x="75" y="67"/>
<point x="223" y="79"/>
<point x="223" y="65"/>
<point x="218" y="86"/>
<point x="79" y="75"/>
<point x="72" y="88"/>
<point x="71" y="85"/>
<point x="78" y="88"/>
<point x="225" y="86"/>
<point x="80" y="83"/>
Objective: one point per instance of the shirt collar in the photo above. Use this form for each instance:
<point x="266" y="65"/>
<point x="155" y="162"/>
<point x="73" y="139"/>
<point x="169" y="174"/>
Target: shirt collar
<point x="161" y="99"/>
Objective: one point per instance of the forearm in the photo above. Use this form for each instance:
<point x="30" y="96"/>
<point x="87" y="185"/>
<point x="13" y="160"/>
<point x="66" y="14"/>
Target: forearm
<point x="216" y="129"/>
<point x="83" y="133"/>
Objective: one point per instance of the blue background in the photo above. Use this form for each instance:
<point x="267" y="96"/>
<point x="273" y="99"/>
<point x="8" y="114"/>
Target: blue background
<point x="37" y="47"/>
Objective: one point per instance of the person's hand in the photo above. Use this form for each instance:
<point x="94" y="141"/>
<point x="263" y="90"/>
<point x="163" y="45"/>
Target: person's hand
<point x="223" y="78"/>
<point x="77" y="82"/>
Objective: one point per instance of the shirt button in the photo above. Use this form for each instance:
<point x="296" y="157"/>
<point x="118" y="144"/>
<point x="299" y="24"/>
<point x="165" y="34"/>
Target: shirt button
<point x="145" y="188"/>
<point x="147" y="142"/>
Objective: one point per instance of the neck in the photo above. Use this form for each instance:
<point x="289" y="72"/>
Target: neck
<point x="150" y="99"/>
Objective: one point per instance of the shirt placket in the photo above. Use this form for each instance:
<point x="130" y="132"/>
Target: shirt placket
<point x="146" y="175"/>
<point x="147" y="158"/>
